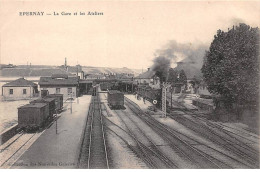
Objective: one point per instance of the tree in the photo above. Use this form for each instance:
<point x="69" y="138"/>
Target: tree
<point x="231" y="66"/>
<point x="173" y="79"/>
<point x="183" y="78"/>
<point x="173" y="76"/>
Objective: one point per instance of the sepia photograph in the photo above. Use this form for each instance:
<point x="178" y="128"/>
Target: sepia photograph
<point x="144" y="84"/>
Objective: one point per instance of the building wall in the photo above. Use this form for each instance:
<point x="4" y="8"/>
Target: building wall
<point x="18" y="93"/>
<point x="63" y="90"/>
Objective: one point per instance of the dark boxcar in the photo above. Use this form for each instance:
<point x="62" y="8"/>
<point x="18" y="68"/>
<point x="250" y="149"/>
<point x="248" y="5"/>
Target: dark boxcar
<point x="49" y="101"/>
<point x="58" y="101"/>
<point x="115" y="99"/>
<point x="32" y="115"/>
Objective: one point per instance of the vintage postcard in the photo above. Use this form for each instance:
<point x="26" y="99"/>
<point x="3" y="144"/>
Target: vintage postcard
<point x="129" y="84"/>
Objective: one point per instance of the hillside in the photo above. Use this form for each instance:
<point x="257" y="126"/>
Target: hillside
<point x="95" y="70"/>
<point x="40" y="70"/>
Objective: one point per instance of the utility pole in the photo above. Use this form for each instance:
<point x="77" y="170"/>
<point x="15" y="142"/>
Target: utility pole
<point x="164" y="101"/>
<point x="164" y="98"/>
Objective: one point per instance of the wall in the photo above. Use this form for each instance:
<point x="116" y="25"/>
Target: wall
<point x="63" y="90"/>
<point x="17" y="93"/>
<point x="8" y="133"/>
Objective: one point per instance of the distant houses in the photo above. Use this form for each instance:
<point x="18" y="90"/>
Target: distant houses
<point x="60" y="84"/>
<point x="19" y="89"/>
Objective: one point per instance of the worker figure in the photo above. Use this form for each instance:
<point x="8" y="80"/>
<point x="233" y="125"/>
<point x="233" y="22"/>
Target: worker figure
<point x="144" y="99"/>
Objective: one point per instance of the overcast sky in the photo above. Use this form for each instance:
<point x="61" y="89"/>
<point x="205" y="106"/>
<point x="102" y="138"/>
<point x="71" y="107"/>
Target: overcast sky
<point x="127" y="35"/>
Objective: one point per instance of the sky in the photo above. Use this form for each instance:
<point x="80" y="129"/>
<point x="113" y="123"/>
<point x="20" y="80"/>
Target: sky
<point x="126" y="35"/>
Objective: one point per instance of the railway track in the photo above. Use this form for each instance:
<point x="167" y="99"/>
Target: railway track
<point x="153" y="156"/>
<point x="241" y="150"/>
<point x="220" y="152"/>
<point x="188" y="152"/>
<point x="222" y="127"/>
<point x="221" y="137"/>
<point x="94" y="149"/>
<point x="12" y="150"/>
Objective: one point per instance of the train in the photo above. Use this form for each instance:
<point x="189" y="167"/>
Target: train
<point x="39" y="113"/>
<point x="152" y="95"/>
<point x="115" y="99"/>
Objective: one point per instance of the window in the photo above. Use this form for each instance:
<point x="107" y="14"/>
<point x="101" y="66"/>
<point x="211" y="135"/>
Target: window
<point x="11" y="91"/>
<point x="57" y="90"/>
<point x="69" y="91"/>
<point x="24" y="91"/>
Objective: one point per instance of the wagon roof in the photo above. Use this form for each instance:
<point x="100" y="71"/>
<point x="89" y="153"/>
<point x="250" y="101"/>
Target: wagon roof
<point x="33" y="105"/>
<point x="113" y="91"/>
<point x="47" y="99"/>
<point x="21" y="82"/>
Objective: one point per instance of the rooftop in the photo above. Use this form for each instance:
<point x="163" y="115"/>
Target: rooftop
<point x="60" y="81"/>
<point x="21" y="82"/>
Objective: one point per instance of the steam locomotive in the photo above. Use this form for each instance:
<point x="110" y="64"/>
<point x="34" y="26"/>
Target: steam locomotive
<point x="152" y="95"/>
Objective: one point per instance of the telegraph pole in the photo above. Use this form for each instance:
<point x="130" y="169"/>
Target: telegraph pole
<point x="164" y="100"/>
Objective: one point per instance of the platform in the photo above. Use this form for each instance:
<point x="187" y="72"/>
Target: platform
<point x="60" y="150"/>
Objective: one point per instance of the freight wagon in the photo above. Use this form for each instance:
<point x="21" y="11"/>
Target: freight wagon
<point x="31" y="117"/>
<point x="115" y="99"/>
<point x="58" y="101"/>
<point x="50" y="102"/>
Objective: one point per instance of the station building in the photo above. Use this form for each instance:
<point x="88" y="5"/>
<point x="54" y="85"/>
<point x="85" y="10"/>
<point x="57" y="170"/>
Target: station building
<point x="60" y="84"/>
<point x="19" y="89"/>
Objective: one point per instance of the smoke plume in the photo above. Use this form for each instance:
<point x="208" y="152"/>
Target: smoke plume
<point x="174" y="52"/>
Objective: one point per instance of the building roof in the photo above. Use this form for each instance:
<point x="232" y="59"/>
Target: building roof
<point x="146" y="75"/>
<point x="50" y="81"/>
<point x="21" y="82"/>
<point x="33" y="105"/>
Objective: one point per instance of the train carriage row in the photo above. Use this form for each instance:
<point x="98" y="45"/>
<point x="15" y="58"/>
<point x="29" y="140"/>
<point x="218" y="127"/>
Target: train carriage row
<point x="35" y="115"/>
